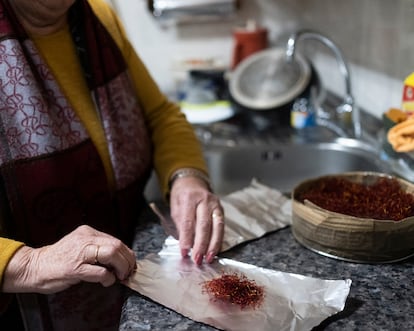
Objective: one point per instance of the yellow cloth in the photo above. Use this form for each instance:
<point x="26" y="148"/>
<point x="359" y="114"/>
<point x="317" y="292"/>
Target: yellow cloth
<point x="401" y="136"/>
<point x="172" y="137"/>
<point x="7" y="248"/>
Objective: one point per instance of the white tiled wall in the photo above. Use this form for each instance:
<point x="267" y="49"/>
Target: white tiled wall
<point x="376" y="36"/>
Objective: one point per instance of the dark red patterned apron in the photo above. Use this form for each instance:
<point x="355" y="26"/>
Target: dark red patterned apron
<point x="51" y="176"/>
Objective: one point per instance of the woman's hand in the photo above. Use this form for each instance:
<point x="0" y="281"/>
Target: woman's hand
<point x="199" y="218"/>
<point x="83" y="255"/>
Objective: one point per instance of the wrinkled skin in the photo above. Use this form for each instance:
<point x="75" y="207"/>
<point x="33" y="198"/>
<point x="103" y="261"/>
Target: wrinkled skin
<point x="83" y="255"/>
<point x="192" y="208"/>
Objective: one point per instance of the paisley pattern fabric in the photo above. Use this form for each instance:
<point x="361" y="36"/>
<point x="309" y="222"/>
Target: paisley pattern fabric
<point x="51" y="176"/>
<point x="36" y="120"/>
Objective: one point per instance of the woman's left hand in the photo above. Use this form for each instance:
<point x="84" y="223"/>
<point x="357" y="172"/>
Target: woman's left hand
<point x="198" y="217"/>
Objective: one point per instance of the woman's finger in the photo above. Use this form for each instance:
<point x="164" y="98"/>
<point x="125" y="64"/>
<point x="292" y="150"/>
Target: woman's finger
<point x="113" y="255"/>
<point x="217" y="233"/>
<point x="202" y="233"/>
<point x="97" y="274"/>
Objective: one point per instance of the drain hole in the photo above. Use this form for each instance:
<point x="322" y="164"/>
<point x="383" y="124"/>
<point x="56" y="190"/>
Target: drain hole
<point x="271" y="155"/>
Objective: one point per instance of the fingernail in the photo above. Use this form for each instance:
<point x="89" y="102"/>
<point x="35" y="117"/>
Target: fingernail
<point x="210" y="257"/>
<point x="198" y="259"/>
<point x="184" y="252"/>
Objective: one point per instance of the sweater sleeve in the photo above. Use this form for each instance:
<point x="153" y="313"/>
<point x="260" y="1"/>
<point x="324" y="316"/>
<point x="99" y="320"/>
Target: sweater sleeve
<point x="7" y="249"/>
<point x="174" y="141"/>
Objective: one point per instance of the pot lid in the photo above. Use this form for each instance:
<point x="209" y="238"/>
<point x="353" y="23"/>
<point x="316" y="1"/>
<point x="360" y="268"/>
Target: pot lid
<point x="267" y="79"/>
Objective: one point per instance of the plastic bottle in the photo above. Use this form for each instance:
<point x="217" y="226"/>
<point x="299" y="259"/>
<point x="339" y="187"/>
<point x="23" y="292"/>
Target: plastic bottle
<point x="408" y="94"/>
<point x="302" y="114"/>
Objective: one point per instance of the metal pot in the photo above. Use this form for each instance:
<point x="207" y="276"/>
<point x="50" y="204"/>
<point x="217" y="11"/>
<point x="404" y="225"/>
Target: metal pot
<point x="265" y="85"/>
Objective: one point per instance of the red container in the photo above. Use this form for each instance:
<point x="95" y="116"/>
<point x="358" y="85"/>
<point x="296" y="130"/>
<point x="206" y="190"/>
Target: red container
<point x="247" y="41"/>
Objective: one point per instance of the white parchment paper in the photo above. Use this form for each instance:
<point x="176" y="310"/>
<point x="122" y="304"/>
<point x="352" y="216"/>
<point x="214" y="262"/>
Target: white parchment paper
<point x="292" y="302"/>
<point x="249" y="213"/>
<point x="252" y="212"/>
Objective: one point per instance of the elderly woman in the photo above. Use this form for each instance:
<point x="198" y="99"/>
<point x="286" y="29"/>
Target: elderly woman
<point x="82" y="125"/>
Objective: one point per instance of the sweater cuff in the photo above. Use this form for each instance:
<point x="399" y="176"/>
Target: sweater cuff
<point x="7" y="249"/>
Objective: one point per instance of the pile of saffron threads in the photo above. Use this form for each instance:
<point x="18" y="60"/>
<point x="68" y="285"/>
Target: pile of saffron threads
<point x="236" y="289"/>
<point x="383" y="200"/>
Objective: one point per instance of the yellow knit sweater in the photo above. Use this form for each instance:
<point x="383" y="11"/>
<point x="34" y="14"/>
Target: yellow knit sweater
<point x="172" y="137"/>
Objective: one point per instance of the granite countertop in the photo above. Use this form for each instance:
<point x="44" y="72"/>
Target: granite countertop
<point x="381" y="296"/>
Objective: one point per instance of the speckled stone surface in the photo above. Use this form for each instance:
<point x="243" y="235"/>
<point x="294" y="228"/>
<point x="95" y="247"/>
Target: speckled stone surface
<point x="381" y="296"/>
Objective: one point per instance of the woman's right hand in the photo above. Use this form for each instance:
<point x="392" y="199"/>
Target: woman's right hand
<point x="83" y="255"/>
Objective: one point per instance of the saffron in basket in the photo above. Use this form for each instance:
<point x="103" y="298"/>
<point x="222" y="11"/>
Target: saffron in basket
<point x="236" y="289"/>
<point x="382" y="200"/>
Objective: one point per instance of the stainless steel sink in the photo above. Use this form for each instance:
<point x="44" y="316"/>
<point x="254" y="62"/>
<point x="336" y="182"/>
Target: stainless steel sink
<point x="282" y="158"/>
<point x="283" y="166"/>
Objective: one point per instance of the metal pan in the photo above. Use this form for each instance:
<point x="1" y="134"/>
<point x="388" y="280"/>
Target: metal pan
<point x="265" y="85"/>
<point x="267" y="80"/>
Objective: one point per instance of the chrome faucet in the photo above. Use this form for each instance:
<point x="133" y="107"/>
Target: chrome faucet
<point x="347" y="112"/>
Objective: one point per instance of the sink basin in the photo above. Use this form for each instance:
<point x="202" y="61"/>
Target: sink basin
<point x="283" y="166"/>
<point x="281" y="157"/>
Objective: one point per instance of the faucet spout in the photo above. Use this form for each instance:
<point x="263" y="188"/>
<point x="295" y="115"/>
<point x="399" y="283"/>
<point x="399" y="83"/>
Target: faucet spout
<point x="347" y="111"/>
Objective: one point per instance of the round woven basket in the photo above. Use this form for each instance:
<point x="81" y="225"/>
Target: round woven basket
<point x="349" y="238"/>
